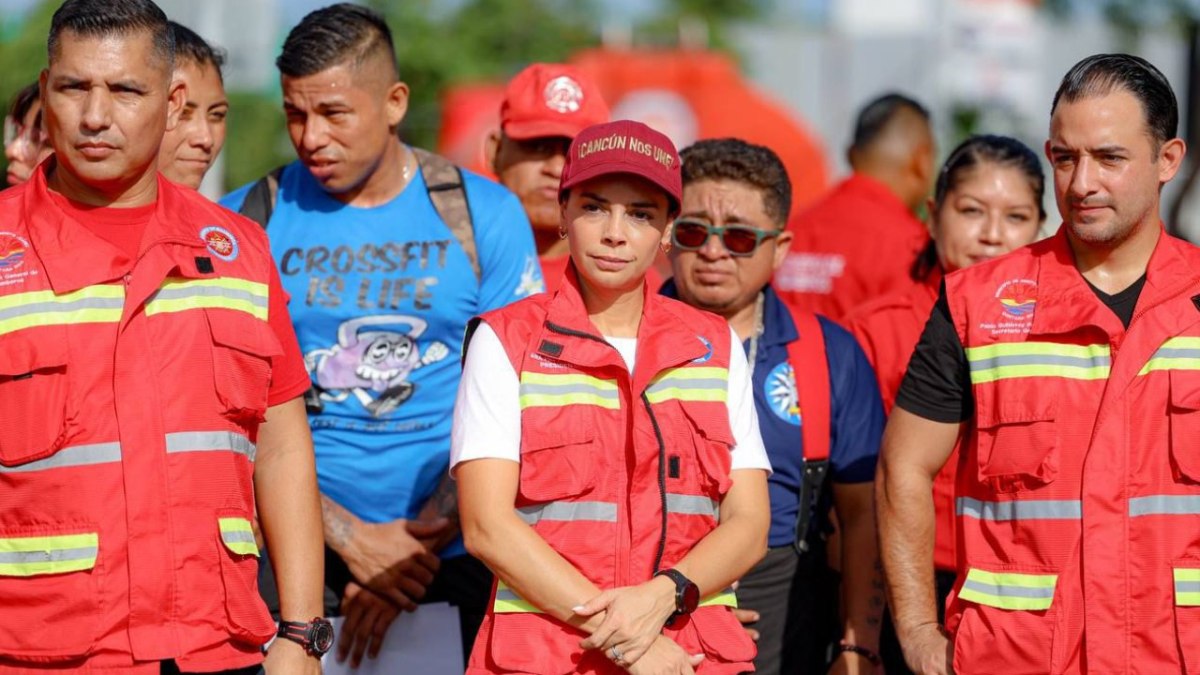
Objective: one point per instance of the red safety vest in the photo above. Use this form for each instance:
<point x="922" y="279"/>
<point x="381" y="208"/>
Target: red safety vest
<point x="622" y="475"/>
<point x="130" y="407"/>
<point x="1079" y="485"/>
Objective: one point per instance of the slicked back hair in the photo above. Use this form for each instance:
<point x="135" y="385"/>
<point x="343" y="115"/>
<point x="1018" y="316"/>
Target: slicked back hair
<point x="736" y="160"/>
<point x="875" y="116"/>
<point x="191" y="48"/>
<point x="102" y="18"/>
<point x="335" y="35"/>
<point x="1102" y="74"/>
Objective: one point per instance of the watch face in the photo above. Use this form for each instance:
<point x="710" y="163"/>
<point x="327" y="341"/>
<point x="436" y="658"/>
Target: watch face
<point x="322" y="636"/>
<point x="691" y="597"/>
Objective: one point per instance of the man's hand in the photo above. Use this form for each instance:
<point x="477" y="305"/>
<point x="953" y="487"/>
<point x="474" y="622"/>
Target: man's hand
<point x="390" y="559"/>
<point x="665" y="658"/>
<point x="633" y="620"/>
<point x="367" y="618"/>
<point x="289" y="658"/>
<point x="928" y="651"/>
<point x="746" y="617"/>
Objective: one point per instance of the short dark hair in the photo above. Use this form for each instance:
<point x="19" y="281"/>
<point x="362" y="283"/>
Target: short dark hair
<point x="878" y="113"/>
<point x="975" y="151"/>
<point x="736" y="160"/>
<point x="23" y="101"/>
<point x="1101" y="74"/>
<point x="333" y="35"/>
<point x="191" y="48"/>
<point x="102" y="18"/>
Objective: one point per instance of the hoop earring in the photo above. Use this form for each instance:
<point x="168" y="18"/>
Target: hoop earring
<point x="562" y="233"/>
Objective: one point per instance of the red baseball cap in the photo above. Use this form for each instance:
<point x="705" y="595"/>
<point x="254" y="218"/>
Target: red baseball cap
<point x="627" y="147"/>
<point x="550" y="99"/>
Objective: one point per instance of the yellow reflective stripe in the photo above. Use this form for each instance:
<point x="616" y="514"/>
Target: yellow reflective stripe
<point x="238" y="536"/>
<point x="30" y="556"/>
<point x="546" y="390"/>
<point x="94" y="304"/>
<point x="1038" y="359"/>
<point x="178" y="295"/>
<point x="707" y="384"/>
<point x="1009" y="590"/>
<point x="1178" y="353"/>
<point x="508" y="602"/>
<point x="1187" y="587"/>
<point x="725" y="598"/>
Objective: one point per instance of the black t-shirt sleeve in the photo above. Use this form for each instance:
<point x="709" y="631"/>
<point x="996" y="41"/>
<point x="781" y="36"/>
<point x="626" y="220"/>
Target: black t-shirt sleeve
<point x="937" y="385"/>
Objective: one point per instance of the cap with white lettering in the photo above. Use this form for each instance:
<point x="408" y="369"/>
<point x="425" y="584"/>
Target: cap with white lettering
<point x="626" y="147"/>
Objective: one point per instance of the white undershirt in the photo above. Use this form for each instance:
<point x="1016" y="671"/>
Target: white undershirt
<point x="487" y="412"/>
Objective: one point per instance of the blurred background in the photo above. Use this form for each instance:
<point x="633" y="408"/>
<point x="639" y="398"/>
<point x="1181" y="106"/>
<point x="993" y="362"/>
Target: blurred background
<point x="788" y="73"/>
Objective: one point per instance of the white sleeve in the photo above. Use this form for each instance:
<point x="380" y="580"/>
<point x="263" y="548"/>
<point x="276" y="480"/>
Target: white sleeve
<point x="487" y="410"/>
<point x="748" y="450"/>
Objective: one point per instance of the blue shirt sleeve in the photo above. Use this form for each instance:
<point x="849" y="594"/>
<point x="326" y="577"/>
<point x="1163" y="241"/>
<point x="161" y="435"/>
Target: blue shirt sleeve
<point x="856" y="427"/>
<point x="504" y="240"/>
<point x="233" y="201"/>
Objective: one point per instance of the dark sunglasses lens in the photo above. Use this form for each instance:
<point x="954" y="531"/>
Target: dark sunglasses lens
<point x="690" y="235"/>
<point x="740" y="241"/>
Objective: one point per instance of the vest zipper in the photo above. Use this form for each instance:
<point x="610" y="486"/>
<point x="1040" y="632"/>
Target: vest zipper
<point x="662" y="482"/>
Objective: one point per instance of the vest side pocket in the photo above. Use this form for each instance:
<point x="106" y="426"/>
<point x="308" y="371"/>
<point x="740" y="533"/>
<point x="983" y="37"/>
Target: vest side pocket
<point x="1017" y="444"/>
<point x="242" y="350"/>
<point x="35" y="396"/>
<point x="50" y="587"/>
<point x="249" y="620"/>
<point x="1005" y="620"/>
<point x="1184" y="419"/>
<point x="1186" y="575"/>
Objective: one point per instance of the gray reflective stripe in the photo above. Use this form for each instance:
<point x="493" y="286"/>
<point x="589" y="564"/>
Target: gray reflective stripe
<point x="237" y="537"/>
<point x="1176" y="353"/>
<point x="604" y="512"/>
<point x="692" y="505"/>
<point x="687" y="383"/>
<point x="507" y="594"/>
<point x="61" y="307"/>
<point x="1066" y="509"/>
<point x="58" y="555"/>
<point x="1164" y="505"/>
<point x="209" y="292"/>
<point x="571" y="388"/>
<point x="1039" y="360"/>
<point x="1009" y="591"/>
<point x="1187" y="586"/>
<point x="77" y="455"/>
<point x="210" y="441"/>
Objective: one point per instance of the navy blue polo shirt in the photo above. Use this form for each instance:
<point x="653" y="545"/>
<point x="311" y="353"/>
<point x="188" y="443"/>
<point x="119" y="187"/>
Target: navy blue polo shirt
<point x="857" y="418"/>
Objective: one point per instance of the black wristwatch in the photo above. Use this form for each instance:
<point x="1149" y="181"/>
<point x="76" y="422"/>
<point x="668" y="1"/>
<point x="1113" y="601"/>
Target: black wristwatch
<point x="316" y="636"/>
<point x="687" y="594"/>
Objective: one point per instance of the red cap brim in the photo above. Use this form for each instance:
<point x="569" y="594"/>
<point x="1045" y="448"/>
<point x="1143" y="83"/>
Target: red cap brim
<point x="525" y="130"/>
<point x="675" y="192"/>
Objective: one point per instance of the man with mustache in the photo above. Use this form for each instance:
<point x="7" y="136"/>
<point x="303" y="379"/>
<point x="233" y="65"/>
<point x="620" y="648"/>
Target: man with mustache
<point x="387" y="251"/>
<point x="150" y="392"/>
<point x="1071" y="367"/>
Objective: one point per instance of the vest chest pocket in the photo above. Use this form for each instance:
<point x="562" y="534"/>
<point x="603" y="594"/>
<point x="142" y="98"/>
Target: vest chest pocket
<point x="1184" y="415"/>
<point x="712" y="438"/>
<point x="35" y="397"/>
<point x="243" y="347"/>
<point x="559" y="465"/>
<point x="1017" y="444"/>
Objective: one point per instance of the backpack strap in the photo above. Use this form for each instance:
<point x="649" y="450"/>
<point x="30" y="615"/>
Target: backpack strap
<point x="810" y="366"/>
<point x="444" y="182"/>
<point x="260" y="200"/>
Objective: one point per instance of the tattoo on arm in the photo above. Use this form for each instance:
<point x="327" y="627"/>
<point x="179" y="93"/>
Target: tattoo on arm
<point x="878" y="593"/>
<point x="445" y="499"/>
<point x="338" y="522"/>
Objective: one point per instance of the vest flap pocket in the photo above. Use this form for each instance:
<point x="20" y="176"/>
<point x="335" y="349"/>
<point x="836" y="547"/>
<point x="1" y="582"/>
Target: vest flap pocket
<point x="721" y="637"/>
<point x="34" y="396"/>
<point x="242" y="349"/>
<point x="49" y="592"/>
<point x="1017" y="443"/>
<point x="249" y="620"/>
<point x="1186" y="575"/>
<point x="1184" y="416"/>
<point x="1009" y="589"/>
<point x="713" y="440"/>
<point x="559" y="464"/>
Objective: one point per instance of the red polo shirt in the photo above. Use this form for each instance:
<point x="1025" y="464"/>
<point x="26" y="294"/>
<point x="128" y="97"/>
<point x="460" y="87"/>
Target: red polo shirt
<point x="857" y="243"/>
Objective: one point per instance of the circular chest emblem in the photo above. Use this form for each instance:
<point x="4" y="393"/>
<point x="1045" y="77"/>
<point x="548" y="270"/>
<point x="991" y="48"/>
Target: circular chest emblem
<point x="563" y="94"/>
<point x="12" y="252"/>
<point x="708" y="350"/>
<point x="220" y="242"/>
<point x="780" y="390"/>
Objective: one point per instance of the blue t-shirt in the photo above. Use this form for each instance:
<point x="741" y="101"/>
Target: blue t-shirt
<point x="856" y="413"/>
<point x="380" y="298"/>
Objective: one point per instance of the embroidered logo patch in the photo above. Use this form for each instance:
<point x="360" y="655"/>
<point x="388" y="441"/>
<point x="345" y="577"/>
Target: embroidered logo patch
<point x="1017" y="297"/>
<point x="12" y="252"/>
<point x="563" y="94"/>
<point x="220" y="242"/>
<point x="780" y="389"/>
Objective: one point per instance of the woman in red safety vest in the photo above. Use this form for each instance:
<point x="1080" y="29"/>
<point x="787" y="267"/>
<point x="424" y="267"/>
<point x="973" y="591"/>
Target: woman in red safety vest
<point x="607" y="453"/>
<point x="987" y="201"/>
